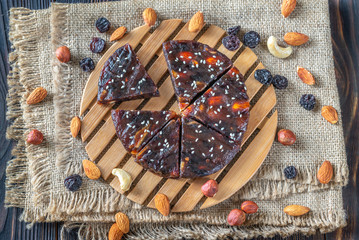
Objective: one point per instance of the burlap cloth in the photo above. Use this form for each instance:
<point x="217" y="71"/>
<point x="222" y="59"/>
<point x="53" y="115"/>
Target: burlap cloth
<point x="35" y="175"/>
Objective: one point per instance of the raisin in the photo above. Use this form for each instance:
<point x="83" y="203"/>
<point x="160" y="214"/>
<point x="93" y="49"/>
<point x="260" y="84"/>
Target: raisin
<point x="234" y="30"/>
<point x="73" y="182"/>
<point x="231" y="42"/>
<point x="102" y="25"/>
<point x="87" y="64"/>
<point x="263" y="76"/>
<point x="290" y="172"/>
<point x="97" y="45"/>
<point x="307" y="101"/>
<point x="280" y="82"/>
<point x="251" y="39"/>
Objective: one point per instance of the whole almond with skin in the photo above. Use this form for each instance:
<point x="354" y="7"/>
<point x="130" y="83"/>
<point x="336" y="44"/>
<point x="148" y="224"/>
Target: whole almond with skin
<point x="325" y="172"/>
<point x="118" y="33"/>
<point x="75" y="126"/>
<point x="36" y="96"/>
<point x="122" y="221"/>
<point x="162" y="204"/>
<point x="114" y="233"/>
<point x="288" y="7"/>
<point x="249" y="207"/>
<point x="35" y="137"/>
<point x="295" y="38"/>
<point x="330" y="114"/>
<point x="305" y="76"/>
<point x="91" y="170"/>
<point x="149" y="16"/>
<point x="63" y="54"/>
<point x="196" y="23"/>
<point x="296" y="210"/>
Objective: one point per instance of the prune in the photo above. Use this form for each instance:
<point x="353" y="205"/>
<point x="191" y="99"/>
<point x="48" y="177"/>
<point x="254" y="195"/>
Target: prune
<point x="73" y="182"/>
<point x="280" y="82"/>
<point x="290" y="172"/>
<point x="234" y="30"/>
<point x="102" y="25"/>
<point x="97" y="45"/>
<point x="87" y="64"/>
<point x="231" y="42"/>
<point x="263" y="76"/>
<point x="307" y="101"/>
<point x="251" y="39"/>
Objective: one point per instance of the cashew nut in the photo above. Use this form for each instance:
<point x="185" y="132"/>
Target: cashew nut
<point x="124" y="177"/>
<point x="277" y="51"/>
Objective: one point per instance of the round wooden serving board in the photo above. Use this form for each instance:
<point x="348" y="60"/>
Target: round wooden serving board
<point x="106" y="150"/>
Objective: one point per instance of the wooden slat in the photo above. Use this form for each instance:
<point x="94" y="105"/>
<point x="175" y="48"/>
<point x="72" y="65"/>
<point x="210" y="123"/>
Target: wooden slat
<point x="245" y="60"/>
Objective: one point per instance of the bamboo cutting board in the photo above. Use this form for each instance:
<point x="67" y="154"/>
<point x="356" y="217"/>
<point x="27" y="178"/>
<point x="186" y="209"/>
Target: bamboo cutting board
<point x="103" y="147"/>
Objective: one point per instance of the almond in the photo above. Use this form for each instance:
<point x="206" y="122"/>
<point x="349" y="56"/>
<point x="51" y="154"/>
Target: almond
<point x="91" y="170"/>
<point x="296" y="210"/>
<point x="196" y="23"/>
<point x="249" y="207"/>
<point x="288" y="7"/>
<point x="36" y="96"/>
<point x="162" y="204"/>
<point x="330" y="114"/>
<point x="295" y="38"/>
<point x="305" y="76"/>
<point x="75" y="126"/>
<point x="149" y="16"/>
<point x="114" y="233"/>
<point x="325" y="172"/>
<point x="118" y="33"/>
<point x="123" y="223"/>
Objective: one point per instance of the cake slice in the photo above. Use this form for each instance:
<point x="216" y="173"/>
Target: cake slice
<point x="124" y="78"/>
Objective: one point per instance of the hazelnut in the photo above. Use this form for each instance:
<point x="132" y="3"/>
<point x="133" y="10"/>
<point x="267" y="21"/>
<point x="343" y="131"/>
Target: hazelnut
<point x="286" y="137"/>
<point x="35" y="137"/>
<point x="236" y="217"/>
<point x="249" y="207"/>
<point x="63" y="54"/>
<point x="210" y="188"/>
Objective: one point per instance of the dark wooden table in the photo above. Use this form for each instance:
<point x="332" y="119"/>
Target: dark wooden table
<point x="344" y="16"/>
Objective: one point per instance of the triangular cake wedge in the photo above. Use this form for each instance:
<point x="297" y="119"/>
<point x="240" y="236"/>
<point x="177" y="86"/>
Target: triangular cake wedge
<point x="193" y="66"/>
<point x="203" y="150"/>
<point x="161" y="154"/>
<point x="124" y="78"/>
<point x="224" y="107"/>
<point x="135" y="128"/>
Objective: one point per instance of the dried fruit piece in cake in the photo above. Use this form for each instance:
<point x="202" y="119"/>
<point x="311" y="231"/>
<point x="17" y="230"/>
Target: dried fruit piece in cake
<point x="224" y="107"/>
<point x="123" y="78"/>
<point x="135" y="128"/>
<point x="193" y="66"/>
<point x="203" y="150"/>
<point x="161" y="154"/>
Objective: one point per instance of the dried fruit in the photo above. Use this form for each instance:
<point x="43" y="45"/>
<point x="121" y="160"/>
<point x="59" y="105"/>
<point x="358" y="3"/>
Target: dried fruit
<point x="236" y="217"/>
<point x="36" y="96"/>
<point x="122" y="221"/>
<point x="288" y="7"/>
<point x="210" y="188"/>
<point x="87" y="64"/>
<point x="97" y="45"/>
<point x="276" y="50"/>
<point x="263" y="76"/>
<point x="196" y="23"/>
<point x="75" y="126"/>
<point x="295" y="38"/>
<point x="102" y="25"/>
<point x="35" y="137"/>
<point x="280" y="82"/>
<point x="307" y="101"/>
<point x="325" y="172"/>
<point x="73" y="182"/>
<point x="149" y="16"/>
<point x="115" y="232"/>
<point x="249" y="207"/>
<point x="91" y="170"/>
<point x="231" y="42"/>
<point x="251" y="39"/>
<point x="296" y="210"/>
<point x="124" y="178"/>
<point x="162" y="204"/>
<point x="234" y="30"/>
<point x="286" y="137"/>
<point x="330" y="114"/>
<point x="290" y="172"/>
<point x="118" y="33"/>
<point x="63" y="54"/>
<point x="305" y="76"/>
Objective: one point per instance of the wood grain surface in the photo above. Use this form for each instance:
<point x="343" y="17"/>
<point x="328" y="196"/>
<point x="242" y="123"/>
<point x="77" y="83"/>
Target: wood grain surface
<point x="344" y="15"/>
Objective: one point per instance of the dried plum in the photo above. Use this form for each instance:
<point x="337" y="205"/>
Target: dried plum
<point x="234" y="30"/>
<point x="251" y="39"/>
<point x="87" y="64"/>
<point x="97" y="45"/>
<point x="263" y="76"/>
<point x="102" y="25"/>
<point x="73" y="182"/>
<point x="307" y="101"/>
<point x="290" y="172"/>
<point x="280" y="82"/>
<point x="231" y="42"/>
